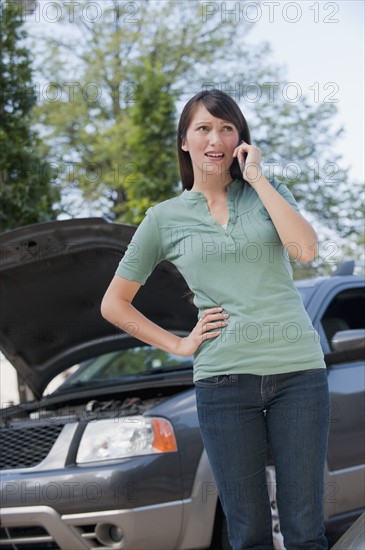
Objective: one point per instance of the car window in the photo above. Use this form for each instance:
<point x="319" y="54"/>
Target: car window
<point x="117" y="364"/>
<point x="345" y="312"/>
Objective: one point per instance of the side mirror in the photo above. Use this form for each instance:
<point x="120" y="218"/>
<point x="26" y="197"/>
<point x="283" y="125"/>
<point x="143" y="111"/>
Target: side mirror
<point x="347" y="346"/>
<point x="347" y="340"/>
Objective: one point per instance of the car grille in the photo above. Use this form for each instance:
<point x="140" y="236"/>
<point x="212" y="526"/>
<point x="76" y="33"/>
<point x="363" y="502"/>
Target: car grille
<point x="26" y="447"/>
<point x="26" y="538"/>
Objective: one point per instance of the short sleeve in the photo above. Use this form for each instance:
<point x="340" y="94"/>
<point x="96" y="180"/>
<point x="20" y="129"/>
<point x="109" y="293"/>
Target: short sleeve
<point x="143" y="252"/>
<point x="285" y="193"/>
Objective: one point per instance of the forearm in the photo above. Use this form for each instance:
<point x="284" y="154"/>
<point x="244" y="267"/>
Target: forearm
<point x="296" y="234"/>
<point x="126" y="317"/>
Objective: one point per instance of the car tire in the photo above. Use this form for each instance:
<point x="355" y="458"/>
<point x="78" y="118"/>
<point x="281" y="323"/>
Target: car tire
<point x="276" y="531"/>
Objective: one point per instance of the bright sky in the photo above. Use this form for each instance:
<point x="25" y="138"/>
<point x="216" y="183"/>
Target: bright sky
<point x="323" y="44"/>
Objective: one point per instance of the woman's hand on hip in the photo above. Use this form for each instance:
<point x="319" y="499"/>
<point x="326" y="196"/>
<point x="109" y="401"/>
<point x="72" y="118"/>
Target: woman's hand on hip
<point x="206" y="328"/>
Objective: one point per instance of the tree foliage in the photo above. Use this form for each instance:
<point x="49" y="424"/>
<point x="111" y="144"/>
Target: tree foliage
<point x="27" y="195"/>
<point x="120" y="80"/>
<point x="152" y="142"/>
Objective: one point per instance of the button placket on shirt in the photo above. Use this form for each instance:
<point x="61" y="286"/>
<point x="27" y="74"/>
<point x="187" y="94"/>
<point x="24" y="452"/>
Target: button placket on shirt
<point x="225" y="232"/>
<point x="231" y="217"/>
<point x="201" y="201"/>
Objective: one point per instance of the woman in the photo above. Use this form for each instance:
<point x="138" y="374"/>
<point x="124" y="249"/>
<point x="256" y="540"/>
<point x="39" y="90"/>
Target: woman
<point x="259" y="372"/>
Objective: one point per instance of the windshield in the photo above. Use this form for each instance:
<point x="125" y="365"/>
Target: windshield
<point x="116" y="365"/>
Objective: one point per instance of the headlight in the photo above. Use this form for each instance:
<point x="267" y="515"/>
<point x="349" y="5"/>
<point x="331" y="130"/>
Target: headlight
<point x="124" y="437"/>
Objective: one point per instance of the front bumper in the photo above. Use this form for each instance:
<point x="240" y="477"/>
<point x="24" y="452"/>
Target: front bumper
<point x="155" y="527"/>
<point x="178" y="524"/>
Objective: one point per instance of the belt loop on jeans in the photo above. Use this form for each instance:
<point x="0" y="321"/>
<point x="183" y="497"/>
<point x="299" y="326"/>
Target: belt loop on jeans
<point x="233" y="378"/>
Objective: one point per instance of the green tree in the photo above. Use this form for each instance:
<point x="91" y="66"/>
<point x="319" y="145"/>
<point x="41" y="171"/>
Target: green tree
<point x="131" y="71"/>
<point x="27" y="195"/>
<point x="97" y="89"/>
<point x="152" y="142"/>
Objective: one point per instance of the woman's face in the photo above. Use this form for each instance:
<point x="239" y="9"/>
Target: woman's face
<point x="210" y="142"/>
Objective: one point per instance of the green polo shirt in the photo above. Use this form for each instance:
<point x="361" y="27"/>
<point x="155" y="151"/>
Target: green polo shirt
<point x="244" y="268"/>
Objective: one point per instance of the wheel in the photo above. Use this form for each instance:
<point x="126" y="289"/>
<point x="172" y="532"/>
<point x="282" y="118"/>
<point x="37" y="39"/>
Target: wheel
<point x="276" y="532"/>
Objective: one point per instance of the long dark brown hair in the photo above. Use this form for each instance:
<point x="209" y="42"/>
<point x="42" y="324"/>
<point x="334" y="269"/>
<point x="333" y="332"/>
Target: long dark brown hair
<point x="220" y="105"/>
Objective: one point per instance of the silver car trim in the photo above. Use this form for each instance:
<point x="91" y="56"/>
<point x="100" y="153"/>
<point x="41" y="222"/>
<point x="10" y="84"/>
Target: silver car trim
<point x="145" y="528"/>
<point x="199" y="509"/>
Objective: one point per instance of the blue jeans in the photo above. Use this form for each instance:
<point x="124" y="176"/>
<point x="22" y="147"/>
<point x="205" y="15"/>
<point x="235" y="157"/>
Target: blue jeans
<point x="239" y="416"/>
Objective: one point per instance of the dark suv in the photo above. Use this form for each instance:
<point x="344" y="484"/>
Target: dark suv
<point x="113" y="458"/>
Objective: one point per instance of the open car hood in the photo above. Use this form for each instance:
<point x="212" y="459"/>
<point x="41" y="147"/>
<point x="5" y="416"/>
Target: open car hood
<point x="53" y="276"/>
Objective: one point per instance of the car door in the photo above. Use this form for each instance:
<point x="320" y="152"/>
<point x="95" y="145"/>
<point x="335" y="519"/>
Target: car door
<point x="342" y="309"/>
